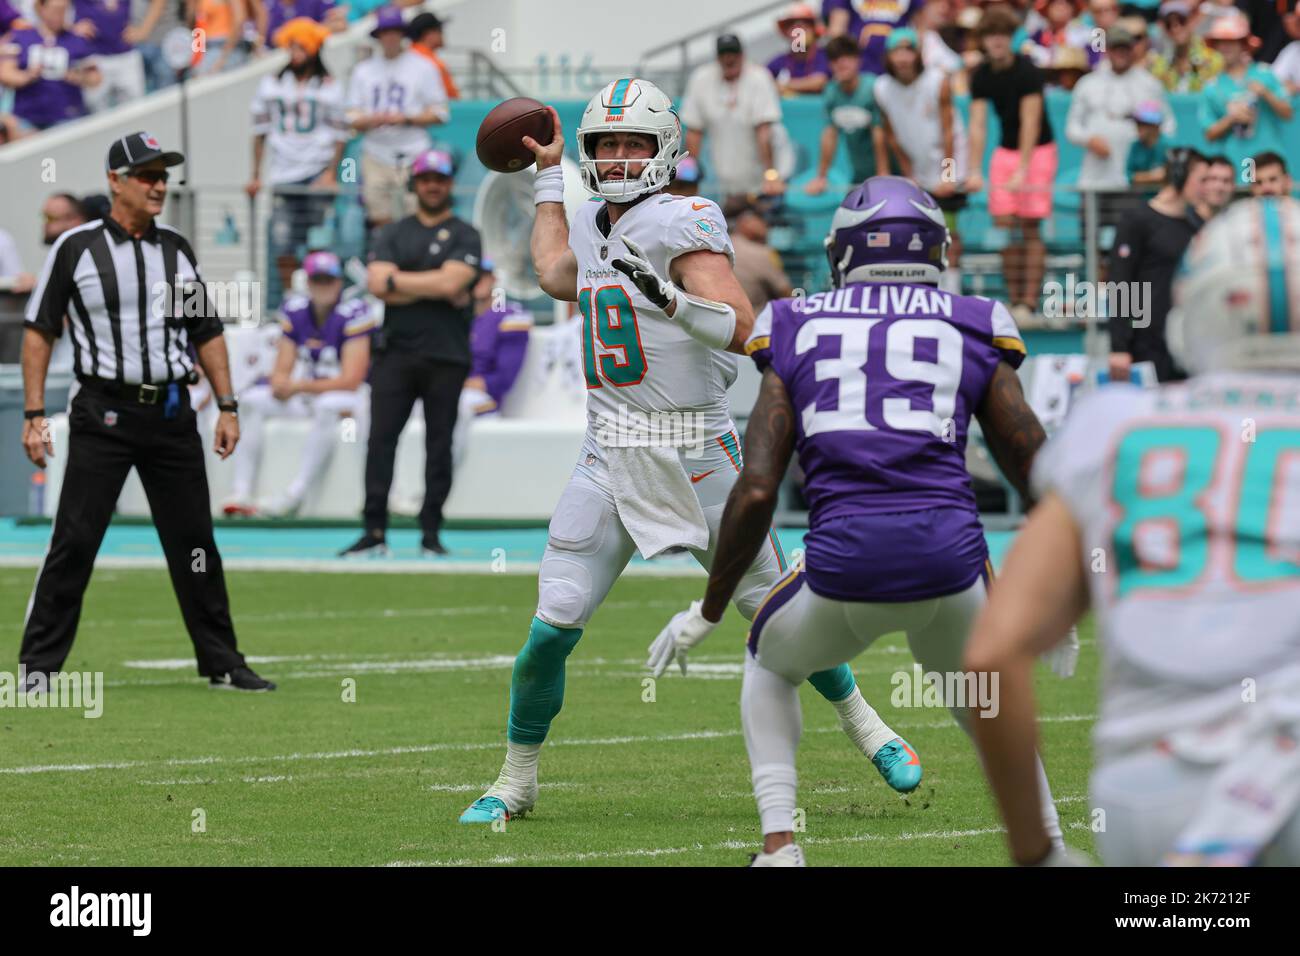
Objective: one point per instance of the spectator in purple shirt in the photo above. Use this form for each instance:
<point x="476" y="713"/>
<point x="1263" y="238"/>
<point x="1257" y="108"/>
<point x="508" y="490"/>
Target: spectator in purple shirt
<point x="106" y="26"/>
<point x="803" y="67"/>
<point x="498" y="340"/>
<point x="280" y="12"/>
<point x="869" y="24"/>
<point x="9" y="18"/>
<point x="47" y="67"/>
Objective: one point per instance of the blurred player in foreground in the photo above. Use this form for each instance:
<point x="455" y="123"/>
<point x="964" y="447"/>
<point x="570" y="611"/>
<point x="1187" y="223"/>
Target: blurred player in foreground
<point x="875" y="383"/>
<point x="320" y="373"/>
<point x="1175" y="514"/>
<point x="661" y="450"/>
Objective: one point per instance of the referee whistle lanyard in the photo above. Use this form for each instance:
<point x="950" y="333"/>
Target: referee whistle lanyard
<point x="173" y="402"/>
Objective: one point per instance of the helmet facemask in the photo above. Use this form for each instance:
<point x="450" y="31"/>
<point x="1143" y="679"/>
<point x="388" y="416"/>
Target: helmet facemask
<point x="656" y="170"/>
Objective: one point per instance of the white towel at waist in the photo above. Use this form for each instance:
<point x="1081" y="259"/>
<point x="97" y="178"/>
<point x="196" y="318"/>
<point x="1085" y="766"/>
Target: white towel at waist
<point x="655" y="499"/>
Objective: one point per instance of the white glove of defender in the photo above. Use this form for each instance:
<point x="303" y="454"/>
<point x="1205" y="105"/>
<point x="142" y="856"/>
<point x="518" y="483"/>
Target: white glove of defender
<point x="637" y="267"/>
<point x="684" y="631"/>
<point x="1064" y="656"/>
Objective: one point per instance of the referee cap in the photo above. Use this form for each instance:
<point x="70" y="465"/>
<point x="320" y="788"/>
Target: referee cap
<point x="135" y="149"/>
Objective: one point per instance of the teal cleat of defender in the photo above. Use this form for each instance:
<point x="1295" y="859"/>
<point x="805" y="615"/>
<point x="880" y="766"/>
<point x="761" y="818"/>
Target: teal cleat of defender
<point x="899" y="765"/>
<point x="490" y="809"/>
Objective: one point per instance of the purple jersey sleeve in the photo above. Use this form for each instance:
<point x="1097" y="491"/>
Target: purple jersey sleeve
<point x="499" y="342"/>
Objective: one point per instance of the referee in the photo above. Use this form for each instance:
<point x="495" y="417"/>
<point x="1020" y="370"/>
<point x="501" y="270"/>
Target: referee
<point x="124" y="283"/>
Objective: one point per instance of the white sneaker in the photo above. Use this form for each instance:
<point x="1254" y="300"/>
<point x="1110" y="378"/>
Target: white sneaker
<point x="789" y="855"/>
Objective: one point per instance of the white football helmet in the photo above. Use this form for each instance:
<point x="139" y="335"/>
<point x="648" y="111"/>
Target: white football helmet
<point x="630" y="105"/>
<point x="1237" y="293"/>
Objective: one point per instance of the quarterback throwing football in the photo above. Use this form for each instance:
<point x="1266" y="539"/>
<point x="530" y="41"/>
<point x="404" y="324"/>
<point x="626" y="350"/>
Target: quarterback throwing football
<point x="652" y="276"/>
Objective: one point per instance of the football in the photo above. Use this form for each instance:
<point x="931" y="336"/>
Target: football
<point x="499" y="145"/>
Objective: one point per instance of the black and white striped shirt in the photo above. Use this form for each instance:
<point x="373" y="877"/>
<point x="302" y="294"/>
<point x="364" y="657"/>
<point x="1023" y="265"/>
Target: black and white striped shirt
<point x="133" y="305"/>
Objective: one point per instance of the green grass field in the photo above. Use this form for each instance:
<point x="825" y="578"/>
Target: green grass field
<point x="302" y="777"/>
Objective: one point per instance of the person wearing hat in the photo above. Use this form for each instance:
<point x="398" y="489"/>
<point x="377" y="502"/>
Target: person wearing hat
<point x="1244" y="107"/>
<point x="300" y="129"/>
<point x="1186" y="63"/>
<point x="925" y="132"/>
<point x="499" y="343"/>
<point x="736" y="103"/>
<point x="324" y="12"/>
<point x="1145" y="163"/>
<point x="319" y="374"/>
<point x="1100" y="119"/>
<point x="802" y="67"/>
<point x="422" y="267"/>
<point x="686" y="177"/>
<point x="133" y="300"/>
<point x="392" y="100"/>
<point x="425" y="32"/>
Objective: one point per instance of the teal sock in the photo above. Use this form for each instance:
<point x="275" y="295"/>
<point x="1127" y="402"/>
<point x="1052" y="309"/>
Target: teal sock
<point x="537" y="684"/>
<point x="834" y="684"/>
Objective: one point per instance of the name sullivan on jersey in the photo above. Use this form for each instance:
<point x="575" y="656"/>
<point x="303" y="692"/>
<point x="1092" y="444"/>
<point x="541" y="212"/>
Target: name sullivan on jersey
<point x="880" y="300"/>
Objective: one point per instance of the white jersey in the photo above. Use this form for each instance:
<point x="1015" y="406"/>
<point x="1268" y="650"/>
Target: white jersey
<point x="303" y="123"/>
<point x="635" y="358"/>
<point x="913" y="111"/>
<point x="407" y="84"/>
<point x="1188" y="501"/>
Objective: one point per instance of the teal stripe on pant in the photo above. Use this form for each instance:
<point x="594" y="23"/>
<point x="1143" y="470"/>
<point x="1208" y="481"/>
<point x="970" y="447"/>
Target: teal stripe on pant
<point x="834" y="684"/>
<point x="537" y="684"/>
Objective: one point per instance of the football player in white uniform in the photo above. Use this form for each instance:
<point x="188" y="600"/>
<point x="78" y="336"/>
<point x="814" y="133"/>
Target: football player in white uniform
<point x="1175" y="514"/>
<point x="652" y="276"/>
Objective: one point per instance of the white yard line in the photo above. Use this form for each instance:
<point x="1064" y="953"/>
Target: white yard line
<point x="514" y="566"/>
<point x="737" y="845"/>
<point x="465" y="746"/>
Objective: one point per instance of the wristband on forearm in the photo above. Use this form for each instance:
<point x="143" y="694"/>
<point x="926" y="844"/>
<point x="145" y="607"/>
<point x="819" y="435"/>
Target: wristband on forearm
<point x="32" y="413"/>
<point x="713" y="323"/>
<point x="548" y="185"/>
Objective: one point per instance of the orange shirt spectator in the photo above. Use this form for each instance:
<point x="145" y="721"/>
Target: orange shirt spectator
<point x="425" y="33"/>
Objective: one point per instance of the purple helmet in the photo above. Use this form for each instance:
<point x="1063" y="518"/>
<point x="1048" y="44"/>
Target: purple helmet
<point x="889" y="229"/>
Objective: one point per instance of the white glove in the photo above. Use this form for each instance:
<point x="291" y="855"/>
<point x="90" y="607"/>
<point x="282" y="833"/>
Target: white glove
<point x="637" y="267"/>
<point x="684" y="631"/>
<point x="1064" y="656"/>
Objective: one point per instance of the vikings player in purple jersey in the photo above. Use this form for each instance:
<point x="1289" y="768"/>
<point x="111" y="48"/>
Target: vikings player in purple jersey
<point x="874" y="382"/>
<point x="320" y="373"/>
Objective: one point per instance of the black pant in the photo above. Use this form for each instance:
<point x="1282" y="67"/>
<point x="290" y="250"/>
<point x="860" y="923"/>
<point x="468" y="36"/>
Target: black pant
<point x="397" y="379"/>
<point x="108" y="436"/>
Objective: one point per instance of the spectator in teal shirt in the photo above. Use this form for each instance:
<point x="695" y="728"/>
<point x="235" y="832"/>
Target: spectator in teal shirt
<point x="851" y="110"/>
<point x="1146" y="154"/>
<point x="1244" y="107"/>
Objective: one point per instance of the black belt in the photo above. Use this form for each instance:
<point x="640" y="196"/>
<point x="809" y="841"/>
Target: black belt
<point x="140" y="394"/>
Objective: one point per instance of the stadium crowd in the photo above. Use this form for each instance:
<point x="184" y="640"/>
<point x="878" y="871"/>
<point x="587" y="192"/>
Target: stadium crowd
<point x="888" y="77"/>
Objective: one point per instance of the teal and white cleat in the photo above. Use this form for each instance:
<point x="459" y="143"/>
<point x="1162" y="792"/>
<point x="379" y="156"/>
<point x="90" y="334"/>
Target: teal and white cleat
<point x="486" y="810"/>
<point x="496" y="803"/>
<point x="899" y="765"/>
